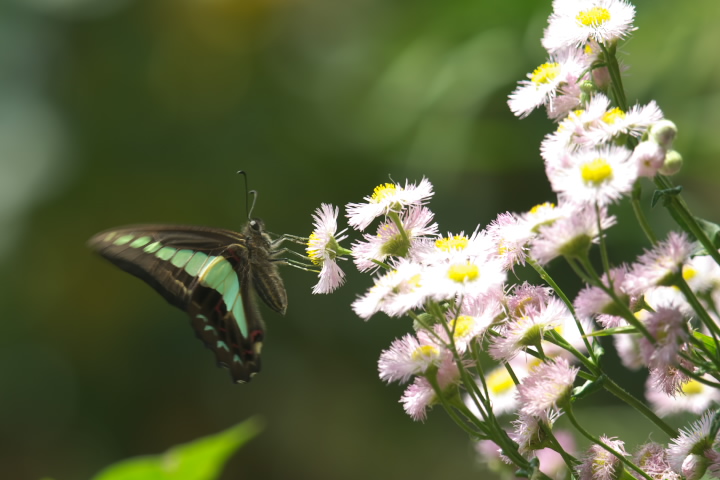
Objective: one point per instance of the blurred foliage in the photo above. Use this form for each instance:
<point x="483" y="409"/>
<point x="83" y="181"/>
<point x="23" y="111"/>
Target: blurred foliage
<point x="200" y="459"/>
<point x="123" y="111"/>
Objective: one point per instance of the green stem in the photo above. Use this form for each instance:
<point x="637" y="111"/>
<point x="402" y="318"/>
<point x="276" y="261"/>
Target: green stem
<point x="603" y="246"/>
<point x="615" y="78"/>
<point x="401" y="228"/>
<point x="569" y="460"/>
<point x="626" y="397"/>
<point x="624" y="310"/>
<point x="681" y="213"/>
<point x="699" y="309"/>
<point x="597" y="441"/>
<point x="558" y="291"/>
<point x="640" y="214"/>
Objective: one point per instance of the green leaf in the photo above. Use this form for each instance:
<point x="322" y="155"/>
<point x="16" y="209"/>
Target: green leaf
<point x="712" y="230"/>
<point x="606" y="332"/>
<point x="665" y="195"/>
<point x="588" y="388"/>
<point x="707" y="340"/>
<point x="201" y="459"/>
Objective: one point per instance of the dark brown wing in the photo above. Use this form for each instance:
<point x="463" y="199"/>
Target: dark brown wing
<point x="207" y="273"/>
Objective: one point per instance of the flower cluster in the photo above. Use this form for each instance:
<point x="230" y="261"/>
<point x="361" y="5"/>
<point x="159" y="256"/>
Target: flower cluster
<point x="483" y="345"/>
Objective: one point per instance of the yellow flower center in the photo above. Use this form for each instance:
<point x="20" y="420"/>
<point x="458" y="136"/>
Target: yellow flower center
<point x="688" y="272"/>
<point x="542" y="206"/>
<point x="499" y="381"/>
<point x="462" y="325"/>
<point x="463" y="272"/>
<point x="611" y="116"/>
<point x="693" y="387"/>
<point x="425" y="352"/>
<point x="502" y="248"/>
<point x="457" y="242"/>
<point x="545" y="73"/>
<point x="593" y="17"/>
<point x="384" y="191"/>
<point x="409" y="285"/>
<point x="414" y="280"/>
<point x="596" y="171"/>
<point x="313" y="249"/>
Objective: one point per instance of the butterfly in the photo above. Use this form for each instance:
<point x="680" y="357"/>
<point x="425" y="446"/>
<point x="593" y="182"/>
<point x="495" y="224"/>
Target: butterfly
<point x="212" y="274"/>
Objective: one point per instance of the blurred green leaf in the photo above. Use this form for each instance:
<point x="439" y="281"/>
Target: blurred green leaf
<point x="202" y="459"/>
<point x="707" y="340"/>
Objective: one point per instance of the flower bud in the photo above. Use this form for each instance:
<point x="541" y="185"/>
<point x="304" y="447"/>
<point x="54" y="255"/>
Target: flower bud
<point x="673" y="163"/>
<point x="663" y="132"/>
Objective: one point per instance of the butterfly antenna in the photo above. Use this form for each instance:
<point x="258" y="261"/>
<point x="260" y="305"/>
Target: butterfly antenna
<point x="247" y="193"/>
<point x="254" y="194"/>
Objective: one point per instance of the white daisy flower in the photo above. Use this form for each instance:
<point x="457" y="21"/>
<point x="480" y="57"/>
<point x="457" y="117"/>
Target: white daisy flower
<point x="576" y="22"/>
<point x="323" y="248"/>
<point x="542" y="215"/>
<point x="599" y="176"/>
<point x="475" y="317"/>
<point x="545" y="81"/>
<point x="408" y="356"/>
<point x="614" y="122"/>
<point x="391" y="242"/>
<point x="455" y="248"/>
<point x="660" y="265"/>
<point x="696" y="439"/>
<point x="570" y="236"/>
<point x="394" y="293"/>
<point x="511" y="238"/>
<point x="386" y="198"/>
<point x="694" y="397"/>
<point x="470" y="277"/>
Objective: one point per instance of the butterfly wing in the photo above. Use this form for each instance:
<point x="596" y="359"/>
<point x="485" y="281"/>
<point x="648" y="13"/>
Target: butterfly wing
<point x="207" y="273"/>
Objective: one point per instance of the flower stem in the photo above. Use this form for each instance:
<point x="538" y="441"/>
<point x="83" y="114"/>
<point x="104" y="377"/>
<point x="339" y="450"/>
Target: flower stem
<point x="640" y="213"/>
<point x="626" y="397"/>
<point x="618" y="455"/>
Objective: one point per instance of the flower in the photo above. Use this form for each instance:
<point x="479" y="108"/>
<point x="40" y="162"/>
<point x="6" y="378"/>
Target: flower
<point x="511" y="238"/>
<point x="570" y="236"/>
<point x="390" y="241"/>
<point x="668" y="327"/>
<point x="593" y="176"/>
<point x="409" y="356"/>
<point x="420" y="395"/>
<point x="652" y="458"/>
<point x="323" y="248"/>
<point x="501" y="387"/>
<point x="476" y="315"/>
<point x="545" y="81"/>
<point x="547" y="388"/>
<point x="649" y="157"/>
<point x="576" y="22"/>
<point x="614" y="122"/>
<point x="660" y="265"/>
<point x="461" y="278"/>
<point x="592" y="300"/>
<point x="691" y="441"/>
<point x="528" y="432"/>
<point x="389" y="197"/>
<point x="395" y="292"/>
<point x="694" y="397"/>
<point x="527" y="330"/>
<point x="599" y="464"/>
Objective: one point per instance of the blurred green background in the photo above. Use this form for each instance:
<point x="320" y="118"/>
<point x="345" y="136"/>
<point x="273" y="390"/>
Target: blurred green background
<point x="121" y="111"/>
